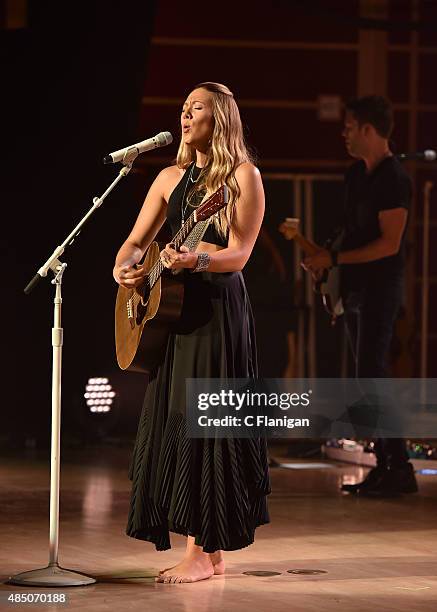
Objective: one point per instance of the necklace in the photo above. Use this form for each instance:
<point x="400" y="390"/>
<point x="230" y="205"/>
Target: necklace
<point x="191" y="174"/>
<point x="184" y="204"/>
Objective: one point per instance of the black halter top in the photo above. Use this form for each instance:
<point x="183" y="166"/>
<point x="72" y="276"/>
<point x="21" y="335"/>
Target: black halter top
<point x="178" y="203"/>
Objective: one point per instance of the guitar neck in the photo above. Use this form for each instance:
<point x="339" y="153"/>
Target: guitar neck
<point x="307" y="247"/>
<point x="204" y="211"/>
<point x="178" y="240"/>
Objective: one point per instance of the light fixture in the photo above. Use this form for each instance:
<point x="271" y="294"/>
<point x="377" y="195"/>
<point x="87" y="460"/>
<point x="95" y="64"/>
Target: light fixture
<point x="99" y="395"/>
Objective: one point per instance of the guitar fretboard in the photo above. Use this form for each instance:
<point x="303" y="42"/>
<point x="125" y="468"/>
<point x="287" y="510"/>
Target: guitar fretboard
<point x="158" y="267"/>
<point x="204" y="211"/>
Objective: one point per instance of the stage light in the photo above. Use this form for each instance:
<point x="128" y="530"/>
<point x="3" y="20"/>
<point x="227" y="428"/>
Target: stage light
<point x="99" y="395"/>
<point x="119" y="395"/>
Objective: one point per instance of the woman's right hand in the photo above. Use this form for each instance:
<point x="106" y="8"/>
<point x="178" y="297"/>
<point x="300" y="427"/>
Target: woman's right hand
<point x="129" y="276"/>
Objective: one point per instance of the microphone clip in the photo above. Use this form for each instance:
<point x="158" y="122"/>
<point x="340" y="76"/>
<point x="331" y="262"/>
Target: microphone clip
<point x="130" y="156"/>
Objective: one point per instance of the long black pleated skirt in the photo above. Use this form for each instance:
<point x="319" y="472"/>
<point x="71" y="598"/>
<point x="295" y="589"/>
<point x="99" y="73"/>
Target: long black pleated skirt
<point x="213" y="488"/>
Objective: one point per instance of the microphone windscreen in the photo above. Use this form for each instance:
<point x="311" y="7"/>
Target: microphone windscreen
<point x="164" y="138"/>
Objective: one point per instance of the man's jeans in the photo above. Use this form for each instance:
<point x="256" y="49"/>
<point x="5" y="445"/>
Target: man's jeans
<point x="370" y="316"/>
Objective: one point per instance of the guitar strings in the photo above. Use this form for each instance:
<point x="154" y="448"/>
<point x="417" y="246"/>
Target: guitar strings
<point x="158" y="267"/>
<point x="188" y="225"/>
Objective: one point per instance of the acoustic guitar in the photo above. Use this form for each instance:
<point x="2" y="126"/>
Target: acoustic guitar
<point x="329" y="283"/>
<point x="145" y="314"/>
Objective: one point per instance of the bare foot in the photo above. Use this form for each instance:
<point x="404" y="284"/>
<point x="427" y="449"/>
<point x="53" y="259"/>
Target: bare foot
<point x="217" y="561"/>
<point x="190" y="569"/>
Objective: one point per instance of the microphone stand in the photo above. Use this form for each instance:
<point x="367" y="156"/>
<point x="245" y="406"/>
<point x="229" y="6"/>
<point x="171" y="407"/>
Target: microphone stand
<point x="53" y="575"/>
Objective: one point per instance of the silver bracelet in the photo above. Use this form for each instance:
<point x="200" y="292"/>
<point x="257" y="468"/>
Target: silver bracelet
<point x="203" y="261"/>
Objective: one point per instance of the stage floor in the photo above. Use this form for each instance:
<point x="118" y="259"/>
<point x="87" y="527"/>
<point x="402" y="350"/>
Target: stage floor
<point x="377" y="554"/>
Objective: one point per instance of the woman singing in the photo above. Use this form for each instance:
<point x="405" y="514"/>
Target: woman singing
<point x="212" y="490"/>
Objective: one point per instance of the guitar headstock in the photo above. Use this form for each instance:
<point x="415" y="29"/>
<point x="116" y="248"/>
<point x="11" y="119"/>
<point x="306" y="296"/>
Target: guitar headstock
<point x="213" y="204"/>
<point x="289" y="228"/>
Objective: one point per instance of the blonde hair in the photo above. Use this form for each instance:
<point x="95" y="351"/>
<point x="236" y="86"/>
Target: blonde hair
<point x="227" y="151"/>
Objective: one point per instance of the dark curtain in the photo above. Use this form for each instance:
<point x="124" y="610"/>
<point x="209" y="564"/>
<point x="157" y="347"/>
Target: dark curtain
<point x="75" y="78"/>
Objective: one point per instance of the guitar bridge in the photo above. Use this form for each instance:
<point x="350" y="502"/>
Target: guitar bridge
<point x="130" y="312"/>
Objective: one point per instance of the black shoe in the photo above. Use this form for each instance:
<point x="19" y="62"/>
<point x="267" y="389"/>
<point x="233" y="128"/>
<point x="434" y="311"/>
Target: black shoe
<point x="370" y="480"/>
<point x="394" y="482"/>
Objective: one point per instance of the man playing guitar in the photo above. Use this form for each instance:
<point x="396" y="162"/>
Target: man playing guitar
<point x="371" y="261"/>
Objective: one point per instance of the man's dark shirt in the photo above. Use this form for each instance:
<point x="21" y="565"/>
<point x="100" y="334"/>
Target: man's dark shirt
<point x="388" y="186"/>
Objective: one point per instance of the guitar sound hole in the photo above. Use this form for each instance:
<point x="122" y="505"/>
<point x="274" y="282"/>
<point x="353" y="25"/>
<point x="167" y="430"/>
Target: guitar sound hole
<point x="145" y="296"/>
<point x="142" y="306"/>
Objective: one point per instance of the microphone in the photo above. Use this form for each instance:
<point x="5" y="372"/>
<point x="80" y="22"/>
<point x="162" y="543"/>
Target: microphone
<point x="160" y="140"/>
<point x="428" y="155"/>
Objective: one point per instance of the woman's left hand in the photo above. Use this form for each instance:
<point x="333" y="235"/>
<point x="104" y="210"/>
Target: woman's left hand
<point x="176" y="260"/>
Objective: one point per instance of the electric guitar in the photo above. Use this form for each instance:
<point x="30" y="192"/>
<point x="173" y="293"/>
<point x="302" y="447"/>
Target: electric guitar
<point x="329" y="283"/>
<point x="144" y="314"/>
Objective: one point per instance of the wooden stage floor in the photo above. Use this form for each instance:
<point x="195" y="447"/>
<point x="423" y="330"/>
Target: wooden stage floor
<point x="378" y="555"/>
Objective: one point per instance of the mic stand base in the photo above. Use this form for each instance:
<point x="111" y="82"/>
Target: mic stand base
<point x="51" y="576"/>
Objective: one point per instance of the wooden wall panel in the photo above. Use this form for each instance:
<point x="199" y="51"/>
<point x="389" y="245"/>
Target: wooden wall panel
<point x="427" y="89"/>
<point x="427" y="130"/>
<point x="428" y="19"/>
<point x="399" y="15"/>
<point x="317" y="20"/>
<point x="432" y="351"/>
<point x="432" y="362"/>
<point x="427" y="172"/>
<point x="293" y="134"/>
<point x="432" y="319"/>
<point x="400" y="132"/>
<point x="398" y="72"/>
<point x="432" y="240"/>
<point x="263" y="74"/>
